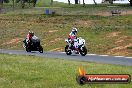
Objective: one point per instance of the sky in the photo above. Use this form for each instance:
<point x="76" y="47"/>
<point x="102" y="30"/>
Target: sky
<point x="90" y="1"/>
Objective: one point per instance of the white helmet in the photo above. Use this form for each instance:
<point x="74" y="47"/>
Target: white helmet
<point x="74" y="30"/>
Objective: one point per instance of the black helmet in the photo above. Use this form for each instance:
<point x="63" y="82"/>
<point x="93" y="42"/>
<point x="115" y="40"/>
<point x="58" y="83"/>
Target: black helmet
<point x="31" y="33"/>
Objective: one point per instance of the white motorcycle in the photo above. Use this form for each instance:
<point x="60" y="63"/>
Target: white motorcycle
<point x="78" y="46"/>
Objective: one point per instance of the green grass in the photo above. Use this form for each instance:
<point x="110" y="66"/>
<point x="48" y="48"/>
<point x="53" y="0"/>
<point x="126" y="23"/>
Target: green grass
<point x="94" y="29"/>
<point x="35" y="72"/>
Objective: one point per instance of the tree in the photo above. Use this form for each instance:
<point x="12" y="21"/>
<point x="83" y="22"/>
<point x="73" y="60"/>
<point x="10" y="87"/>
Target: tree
<point x="83" y="3"/>
<point x="130" y="2"/>
<point x="1" y="3"/>
<point x="35" y="1"/>
<point x="76" y="1"/>
<point x="79" y="2"/>
<point x="94" y="2"/>
<point x="4" y="1"/>
<point x="111" y="1"/>
<point x="69" y="2"/>
<point x="23" y="3"/>
<point x="26" y="1"/>
<point x="13" y="4"/>
<point x="51" y="2"/>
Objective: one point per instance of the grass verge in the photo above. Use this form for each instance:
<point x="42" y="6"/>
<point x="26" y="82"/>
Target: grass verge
<point x="35" y="72"/>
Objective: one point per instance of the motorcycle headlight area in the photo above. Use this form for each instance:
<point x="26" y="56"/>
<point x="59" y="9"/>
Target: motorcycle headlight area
<point x="66" y="40"/>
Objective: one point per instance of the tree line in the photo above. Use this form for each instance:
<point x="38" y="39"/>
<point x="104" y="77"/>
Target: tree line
<point x="110" y="1"/>
<point x="19" y="1"/>
<point x="35" y="1"/>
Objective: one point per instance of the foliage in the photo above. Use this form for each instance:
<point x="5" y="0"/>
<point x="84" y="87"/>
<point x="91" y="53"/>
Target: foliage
<point x="28" y="1"/>
<point x="6" y="1"/>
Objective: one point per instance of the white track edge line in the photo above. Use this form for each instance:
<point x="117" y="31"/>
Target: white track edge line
<point x="103" y="55"/>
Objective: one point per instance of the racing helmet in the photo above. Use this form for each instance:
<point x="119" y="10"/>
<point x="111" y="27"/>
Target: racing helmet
<point x="74" y="30"/>
<point x="31" y="33"/>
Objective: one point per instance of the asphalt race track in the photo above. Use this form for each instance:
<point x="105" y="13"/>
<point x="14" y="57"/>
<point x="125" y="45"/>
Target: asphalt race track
<point x="118" y="60"/>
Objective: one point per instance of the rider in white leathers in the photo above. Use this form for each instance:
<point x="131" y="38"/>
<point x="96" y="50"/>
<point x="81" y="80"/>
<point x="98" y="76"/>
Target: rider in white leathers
<point x="72" y="37"/>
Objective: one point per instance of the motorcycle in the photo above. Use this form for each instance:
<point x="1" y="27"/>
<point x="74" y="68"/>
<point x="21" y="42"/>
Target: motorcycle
<point x="33" y="45"/>
<point x="78" y="46"/>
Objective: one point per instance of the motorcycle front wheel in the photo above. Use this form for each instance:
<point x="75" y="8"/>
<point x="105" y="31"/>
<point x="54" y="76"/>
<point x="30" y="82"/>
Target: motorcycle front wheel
<point x="68" y="52"/>
<point x="83" y="51"/>
<point x="41" y="49"/>
<point x="28" y="49"/>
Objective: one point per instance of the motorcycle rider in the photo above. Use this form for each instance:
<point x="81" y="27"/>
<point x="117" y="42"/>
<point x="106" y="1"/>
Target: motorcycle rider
<point x="72" y="34"/>
<point x="71" y="38"/>
<point x="29" y="37"/>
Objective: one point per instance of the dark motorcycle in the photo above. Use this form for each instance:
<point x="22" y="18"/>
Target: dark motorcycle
<point x="33" y="45"/>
